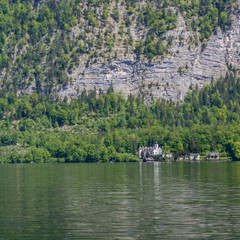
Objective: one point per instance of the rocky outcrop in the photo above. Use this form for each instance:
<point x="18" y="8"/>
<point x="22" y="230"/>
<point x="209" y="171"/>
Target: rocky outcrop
<point x="187" y="63"/>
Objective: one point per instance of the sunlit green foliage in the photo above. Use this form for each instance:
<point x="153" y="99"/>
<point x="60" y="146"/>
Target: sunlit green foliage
<point x="105" y="126"/>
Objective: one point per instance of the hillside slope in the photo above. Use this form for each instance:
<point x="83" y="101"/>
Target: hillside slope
<point x="156" y="49"/>
<point x="170" y="77"/>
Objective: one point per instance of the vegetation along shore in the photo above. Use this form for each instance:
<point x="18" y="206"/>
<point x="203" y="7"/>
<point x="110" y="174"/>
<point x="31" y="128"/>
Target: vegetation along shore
<point x="102" y="127"/>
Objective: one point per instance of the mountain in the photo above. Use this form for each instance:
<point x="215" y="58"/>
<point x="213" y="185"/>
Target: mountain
<point x="156" y="49"/>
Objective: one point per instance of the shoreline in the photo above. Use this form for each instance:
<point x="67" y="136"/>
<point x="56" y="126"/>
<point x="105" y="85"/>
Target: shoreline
<point x="110" y="162"/>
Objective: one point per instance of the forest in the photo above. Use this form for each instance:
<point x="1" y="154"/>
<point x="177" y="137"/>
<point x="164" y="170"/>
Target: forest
<point x="104" y="126"/>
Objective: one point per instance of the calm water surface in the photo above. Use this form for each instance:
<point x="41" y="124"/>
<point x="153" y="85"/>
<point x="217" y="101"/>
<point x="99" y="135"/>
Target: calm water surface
<point x="120" y="201"/>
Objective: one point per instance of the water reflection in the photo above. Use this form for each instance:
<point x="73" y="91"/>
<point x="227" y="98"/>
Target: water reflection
<point x="120" y="201"/>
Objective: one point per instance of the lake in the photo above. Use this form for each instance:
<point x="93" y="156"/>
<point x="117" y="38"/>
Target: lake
<point x="120" y="201"/>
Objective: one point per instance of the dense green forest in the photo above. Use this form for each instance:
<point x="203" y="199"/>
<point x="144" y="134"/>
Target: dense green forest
<point x="38" y="46"/>
<point x="105" y="126"/>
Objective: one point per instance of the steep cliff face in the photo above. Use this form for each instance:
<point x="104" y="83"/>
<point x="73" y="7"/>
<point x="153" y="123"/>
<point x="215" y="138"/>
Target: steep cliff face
<point x="169" y="78"/>
<point x="154" y="48"/>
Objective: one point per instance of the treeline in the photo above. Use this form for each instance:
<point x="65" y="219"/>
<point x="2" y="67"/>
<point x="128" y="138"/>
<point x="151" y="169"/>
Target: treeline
<point x="102" y="126"/>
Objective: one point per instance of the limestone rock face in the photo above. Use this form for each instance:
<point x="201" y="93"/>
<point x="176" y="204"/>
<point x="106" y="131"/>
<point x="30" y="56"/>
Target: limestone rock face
<point x="187" y="63"/>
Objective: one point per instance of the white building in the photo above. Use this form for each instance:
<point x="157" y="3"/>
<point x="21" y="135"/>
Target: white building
<point x="194" y="156"/>
<point x="152" y="151"/>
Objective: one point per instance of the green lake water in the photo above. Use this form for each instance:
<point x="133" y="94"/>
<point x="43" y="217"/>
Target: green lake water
<point x="120" y="201"/>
